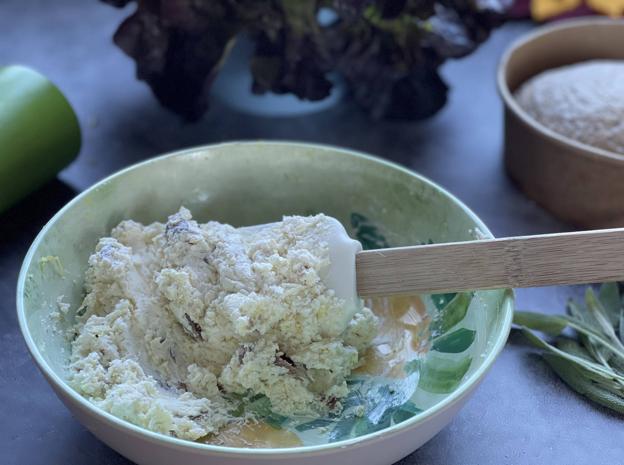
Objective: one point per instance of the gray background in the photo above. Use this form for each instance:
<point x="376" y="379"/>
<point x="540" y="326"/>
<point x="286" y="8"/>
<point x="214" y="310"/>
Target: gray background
<point x="521" y="413"/>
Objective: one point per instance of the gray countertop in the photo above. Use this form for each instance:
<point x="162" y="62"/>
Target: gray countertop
<point x="520" y="414"/>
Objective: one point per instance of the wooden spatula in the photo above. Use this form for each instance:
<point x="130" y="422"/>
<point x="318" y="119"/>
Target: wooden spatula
<point x="529" y="261"/>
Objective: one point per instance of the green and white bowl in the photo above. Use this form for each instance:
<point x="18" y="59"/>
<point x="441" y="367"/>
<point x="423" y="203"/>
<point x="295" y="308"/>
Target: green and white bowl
<point x="250" y="183"/>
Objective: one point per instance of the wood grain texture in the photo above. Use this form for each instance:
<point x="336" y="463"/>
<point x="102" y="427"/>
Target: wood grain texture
<point x="530" y="261"/>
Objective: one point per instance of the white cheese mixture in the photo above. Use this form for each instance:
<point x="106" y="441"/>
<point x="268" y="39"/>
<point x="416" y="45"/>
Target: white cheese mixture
<point x="584" y="101"/>
<point x="181" y="317"/>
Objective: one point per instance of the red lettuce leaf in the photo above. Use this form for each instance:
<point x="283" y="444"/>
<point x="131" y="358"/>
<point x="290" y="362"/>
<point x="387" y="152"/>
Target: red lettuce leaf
<point x="388" y="51"/>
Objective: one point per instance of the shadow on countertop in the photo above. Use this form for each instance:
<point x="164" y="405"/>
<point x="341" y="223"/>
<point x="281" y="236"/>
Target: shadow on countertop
<point x="18" y="228"/>
<point x="24" y="219"/>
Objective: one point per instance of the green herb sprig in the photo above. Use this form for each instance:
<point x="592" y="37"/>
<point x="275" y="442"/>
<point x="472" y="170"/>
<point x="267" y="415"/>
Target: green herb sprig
<point x="591" y="361"/>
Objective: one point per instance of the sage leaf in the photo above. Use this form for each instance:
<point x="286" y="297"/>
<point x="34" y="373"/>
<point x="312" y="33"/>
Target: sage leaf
<point x="455" y="342"/>
<point x="574" y="348"/>
<point x="617" y="363"/>
<point x="443" y="375"/>
<point x="581" y="314"/>
<point x="609" y="297"/>
<point x="453" y="313"/>
<point x="596" y="350"/>
<point x="601" y="317"/>
<point x="595" y="337"/>
<point x="555" y="324"/>
<point x="591" y="362"/>
<point x="576" y="379"/>
<point x="596" y="371"/>
<point x="549" y="324"/>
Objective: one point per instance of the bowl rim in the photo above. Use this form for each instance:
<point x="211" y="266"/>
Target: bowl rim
<point x="451" y="399"/>
<point x="511" y="103"/>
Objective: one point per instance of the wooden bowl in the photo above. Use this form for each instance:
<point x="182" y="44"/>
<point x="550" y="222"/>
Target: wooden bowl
<point x="578" y="183"/>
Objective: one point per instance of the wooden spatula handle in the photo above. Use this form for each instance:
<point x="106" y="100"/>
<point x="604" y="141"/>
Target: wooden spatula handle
<point x="530" y="261"/>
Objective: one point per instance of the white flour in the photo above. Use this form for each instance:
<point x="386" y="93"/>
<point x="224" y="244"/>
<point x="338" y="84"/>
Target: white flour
<point x="584" y="101"/>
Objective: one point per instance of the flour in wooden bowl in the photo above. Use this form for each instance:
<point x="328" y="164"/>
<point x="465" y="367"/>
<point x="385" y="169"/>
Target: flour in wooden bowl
<point x="584" y="102"/>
